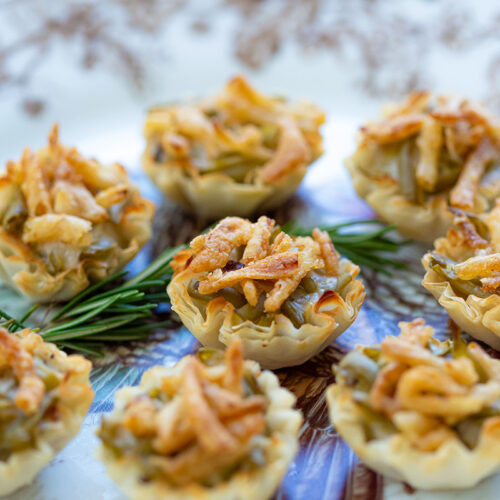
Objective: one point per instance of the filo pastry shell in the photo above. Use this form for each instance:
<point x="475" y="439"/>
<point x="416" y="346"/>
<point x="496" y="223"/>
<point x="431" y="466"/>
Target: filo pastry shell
<point x="237" y="153"/>
<point x="277" y="440"/>
<point x="59" y="403"/>
<point x="67" y="221"/>
<point x="412" y="434"/>
<point x="427" y="154"/>
<point x="476" y="313"/>
<point x="279" y="322"/>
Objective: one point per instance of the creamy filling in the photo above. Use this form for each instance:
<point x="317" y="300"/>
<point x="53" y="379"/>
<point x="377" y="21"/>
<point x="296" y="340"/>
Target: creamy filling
<point x="121" y="442"/>
<point x="358" y="371"/>
<point x="309" y="291"/>
<point x="19" y="431"/>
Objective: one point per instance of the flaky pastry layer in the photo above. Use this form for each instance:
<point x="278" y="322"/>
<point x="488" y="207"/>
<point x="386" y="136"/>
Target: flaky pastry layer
<point x="278" y="320"/>
<point x="278" y="443"/>
<point x="427" y="153"/>
<point x="71" y="399"/>
<point x="238" y="153"/>
<point x="410" y="418"/>
<point x="473" y="303"/>
<point x="67" y="221"/>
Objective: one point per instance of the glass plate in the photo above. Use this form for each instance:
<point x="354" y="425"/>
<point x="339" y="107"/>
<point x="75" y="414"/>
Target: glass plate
<point x="95" y="67"/>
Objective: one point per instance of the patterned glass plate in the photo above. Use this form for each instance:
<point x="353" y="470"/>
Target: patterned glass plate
<point x="95" y="67"/>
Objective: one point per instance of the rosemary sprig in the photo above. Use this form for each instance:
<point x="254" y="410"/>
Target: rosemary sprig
<point x="113" y="310"/>
<point x="366" y="248"/>
<point x="109" y="310"/>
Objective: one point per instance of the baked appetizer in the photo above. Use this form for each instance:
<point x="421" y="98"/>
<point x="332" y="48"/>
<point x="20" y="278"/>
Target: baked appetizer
<point x="419" y="410"/>
<point x="285" y="297"/>
<point x="66" y="221"/>
<point x="214" y="427"/>
<point x="463" y="274"/>
<point x="44" y="397"/>
<point x="234" y="154"/>
<point x="427" y="154"/>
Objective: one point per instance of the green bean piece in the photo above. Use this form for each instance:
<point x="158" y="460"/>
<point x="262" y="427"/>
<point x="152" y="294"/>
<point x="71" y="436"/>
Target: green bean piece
<point x="294" y="312"/>
<point x="276" y="230"/>
<point x="458" y="345"/>
<point x="193" y="292"/>
<point x="209" y="356"/>
<point x="309" y="285"/>
<point x="247" y="312"/>
<point x="342" y="281"/>
<point x="481" y="227"/>
<point x="270" y="135"/>
<point x="371" y="352"/>
<point x="447" y="177"/>
<point x="230" y="294"/>
<point x="459" y="348"/>
<point x="229" y="160"/>
<point x="250" y="385"/>
<point x="233" y="296"/>
<point x="464" y="288"/>
<point x="376" y="425"/>
<point x="99" y="249"/>
<point x="239" y="172"/>
<point x="469" y="430"/>
<point x="266" y="320"/>
<point x="358" y="370"/>
<point x="211" y="113"/>
<point x="406" y="175"/>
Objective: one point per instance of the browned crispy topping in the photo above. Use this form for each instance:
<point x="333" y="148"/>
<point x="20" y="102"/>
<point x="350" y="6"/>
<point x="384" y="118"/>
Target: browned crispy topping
<point x="275" y="267"/>
<point x="62" y="194"/>
<point x="31" y="389"/>
<point x="272" y="267"/>
<point x="328" y="252"/>
<point x="491" y="284"/>
<point x="291" y="153"/>
<point x="479" y="257"/>
<point x="275" y="136"/>
<point x="464" y="192"/>
<point x="394" y="129"/>
<point x="445" y="129"/>
<point x="468" y="230"/>
<point x="433" y="385"/>
<point x="207" y="423"/>
<point x="424" y="394"/>
<point x="416" y="102"/>
<point x="257" y="248"/>
<point x="212" y="251"/>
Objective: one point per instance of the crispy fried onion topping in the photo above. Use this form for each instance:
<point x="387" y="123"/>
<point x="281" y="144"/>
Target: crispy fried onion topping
<point x="30" y="387"/>
<point x="240" y="126"/>
<point x="237" y="252"/>
<point x="57" y="197"/>
<point x="207" y="423"/>
<point x="449" y="134"/>
<point x="425" y="394"/>
<point x="483" y="250"/>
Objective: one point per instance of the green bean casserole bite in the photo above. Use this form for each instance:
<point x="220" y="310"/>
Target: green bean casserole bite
<point x="286" y="297"/>
<point x="426" y="154"/>
<point x="44" y="397"/>
<point x="213" y="426"/>
<point x="463" y="274"/>
<point x="67" y="221"/>
<point x="234" y="154"/>
<point x="420" y="410"/>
